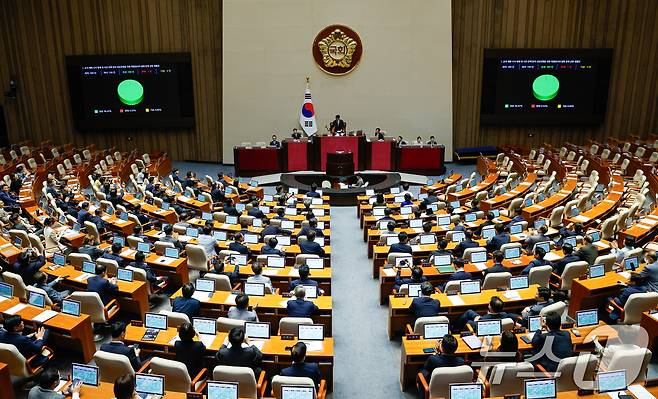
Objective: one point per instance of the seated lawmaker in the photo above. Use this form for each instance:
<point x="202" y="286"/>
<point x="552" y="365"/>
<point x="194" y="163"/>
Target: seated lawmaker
<point x="497" y="241"/>
<point x="188" y="351"/>
<point x="275" y="143"/>
<point x="543" y="299"/>
<point x="48" y="380"/>
<point x="300" y="307"/>
<point x="115" y="254"/>
<point x="238" y="246"/>
<point x="185" y="303"/>
<point x="233" y="354"/>
<point x="498" y="257"/>
<point x="299" y="367"/>
<point x="270" y="248"/>
<point x="444" y="356"/>
<point x="636" y="285"/>
<point x="516" y="216"/>
<point x="459" y="273"/>
<point x="535" y="237"/>
<point x="241" y="309"/>
<point x="271" y="229"/>
<point x="310" y="246"/>
<point x="303" y="279"/>
<point x="466" y="243"/>
<point x="118" y="346"/>
<point x="41" y="282"/>
<point x="588" y="251"/>
<point x="538" y="261"/>
<point x="495" y="312"/>
<point x="100" y="284"/>
<point x="312" y="225"/>
<point x="401" y="246"/>
<point x="313" y="193"/>
<point x="560" y="343"/>
<point x="569" y="256"/>
<point x="416" y="277"/>
<point x="28" y="345"/>
<point x="219" y="268"/>
<point x="255" y="210"/>
<point x="168" y="237"/>
<point x="424" y="305"/>
<point x="27" y="264"/>
<point x="578" y="230"/>
<point x="258" y="277"/>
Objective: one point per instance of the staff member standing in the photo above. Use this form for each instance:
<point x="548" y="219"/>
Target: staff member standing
<point x="337" y="125"/>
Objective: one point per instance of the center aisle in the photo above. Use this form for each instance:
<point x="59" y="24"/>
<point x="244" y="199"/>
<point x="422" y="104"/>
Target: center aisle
<point x="367" y="364"/>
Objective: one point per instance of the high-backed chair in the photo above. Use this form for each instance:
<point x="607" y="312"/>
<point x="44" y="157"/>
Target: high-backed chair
<point x="608" y="261"/>
<point x="196" y="257"/>
<point x="571" y="271"/>
<point x="175" y="319"/>
<point x="419" y="324"/>
<point x="507" y="381"/>
<point x="289" y="325"/>
<point x="557" y="307"/>
<point x="495" y="280"/>
<point x="31" y="288"/>
<point x="91" y="304"/>
<point x="631" y="358"/>
<point x="469" y="251"/>
<point x="16" y="281"/>
<point x="76" y="259"/>
<point x="248" y="387"/>
<point x="176" y="377"/>
<point x="540" y="275"/>
<point x="636" y="304"/>
<point x="112" y="365"/>
<point x="441" y="378"/>
<point x="111" y="265"/>
<point x="301" y="259"/>
<point x="224" y="324"/>
<point x="576" y="372"/>
<point x="278" y="381"/>
<point x="222" y="282"/>
<point x="17" y="364"/>
<point x="160" y="246"/>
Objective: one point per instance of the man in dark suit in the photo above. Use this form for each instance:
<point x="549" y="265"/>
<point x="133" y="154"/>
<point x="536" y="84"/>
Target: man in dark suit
<point x="416" y="277"/>
<point x="83" y="213"/>
<point x="219" y="268"/>
<point x="270" y="229"/>
<point x="97" y="219"/>
<point x="495" y="312"/>
<point x="402" y="245"/>
<point x="270" y="248"/>
<point x="27" y="263"/>
<point x="238" y="246"/>
<point x="578" y="230"/>
<point x="255" y="211"/>
<point x="28" y="345"/>
<point x="497" y="267"/>
<point x="303" y="279"/>
<point x="310" y="246"/>
<point x="635" y="286"/>
<point x="431" y="197"/>
<point x="543" y="299"/>
<point x="444" y="356"/>
<point x="424" y="305"/>
<point x="100" y="284"/>
<point x="569" y="256"/>
<point x="117" y="346"/>
<point x="517" y="216"/>
<point x="237" y="356"/>
<point x="188" y="351"/>
<point x="337" y="125"/>
<point x="466" y="243"/>
<point x="299" y="368"/>
<point x="313" y="193"/>
<point x="499" y="239"/>
<point x="560" y="343"/>
<point x="538" y="261"/>
<point x="296" y="134"/>
<point x="185" y="303"/>
<point x="299" y="307"/>
<point x="114" y="254"/>
<point x="539" y="236"/>
<point x="312" y="225"/>
<point x="229" y="209"/>
<point x="275" y="143"/>
<point x="8" y="198"/>
<point x="442" y="249"/>
<point x="459" y="273"/>
<point x="168" y="231"/>
<point x="140" y="264"/>
<point x="588" y="251"/>
<point x="90" y="248"/>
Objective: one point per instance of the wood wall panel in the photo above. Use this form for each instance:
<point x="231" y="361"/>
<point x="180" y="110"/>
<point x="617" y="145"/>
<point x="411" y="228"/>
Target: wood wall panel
<point x="37" y="34"/>
<point x="630" y="27"/>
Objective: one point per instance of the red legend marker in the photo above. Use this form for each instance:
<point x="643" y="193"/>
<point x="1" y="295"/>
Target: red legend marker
<point x="120" y="109"/>
<point x="532" y="105"/>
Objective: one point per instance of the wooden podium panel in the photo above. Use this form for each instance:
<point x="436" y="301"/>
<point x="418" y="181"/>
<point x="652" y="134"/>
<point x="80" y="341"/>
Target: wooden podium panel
<point x="336" y="144"/>
<point x="296" y="155"/>
<point x="380" y="155"/>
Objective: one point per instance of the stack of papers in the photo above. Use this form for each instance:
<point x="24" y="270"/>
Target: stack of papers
<point x="480" y="265"/>
<point x="45" y="315"/>
<point x="82" y="277"/>
<point x="16" y="308"/>
<point x="127" y="252"/>
<point x="389" y="272"/>
<point x="552" y="257"/>
<point x="230" y="300"/>
<point x="512" y="295"/>
<point x="201" y="296"/>
<point x="207" y="339"/>
<point x="270" y="272"/>
<point x="472" y="341"/>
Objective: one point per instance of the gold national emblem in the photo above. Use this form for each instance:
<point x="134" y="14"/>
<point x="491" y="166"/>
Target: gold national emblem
<point x="337" y="49"/>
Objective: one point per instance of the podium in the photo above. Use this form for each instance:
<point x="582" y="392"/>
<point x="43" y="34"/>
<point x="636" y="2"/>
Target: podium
<point x="340" y="163"/>
<point x="330" y="144"/>
<point x="380" y="154"/>
<point x="255" y="161"/>
<point x="296" y="154"/>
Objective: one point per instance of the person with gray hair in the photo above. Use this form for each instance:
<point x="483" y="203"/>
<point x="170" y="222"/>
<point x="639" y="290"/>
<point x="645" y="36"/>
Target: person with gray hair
<point x="300" y="307"/>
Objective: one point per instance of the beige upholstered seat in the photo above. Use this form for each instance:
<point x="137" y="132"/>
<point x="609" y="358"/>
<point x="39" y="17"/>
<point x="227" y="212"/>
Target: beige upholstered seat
<point x="278" y="381"/>
<point x="244" y="376"/>
<point x="112" y="365"/>
<point x="196" y="258"/>
<point x="176" y="377"/>
<point x="540" y="275"/>
<point x="224" y="324"/>
<point x="506" y="376"/>
<point x="222" y="282"/>
<point x="175" y="319"/>
<point x="419" y="324"/>
<point x="289" y="325"/>
<point x="441" y="378"/>
<point x="495" y="280"/>
<point x="16" y="281"/>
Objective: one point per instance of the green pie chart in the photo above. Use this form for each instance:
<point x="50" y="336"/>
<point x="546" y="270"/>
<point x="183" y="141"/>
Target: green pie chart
<point x="545" y="87"/>
<point x="131" y="92"/>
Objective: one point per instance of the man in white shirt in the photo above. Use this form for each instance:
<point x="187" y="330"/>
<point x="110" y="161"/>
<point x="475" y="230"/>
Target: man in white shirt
<point x="629" y="244"/>
<point x="258" y="276"/>
<point x="207" y="241"/>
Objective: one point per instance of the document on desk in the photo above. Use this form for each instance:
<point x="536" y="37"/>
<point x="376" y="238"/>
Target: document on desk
<point x="480" y="265"/>
<point x="456" y="300"/>
<point x="552" y="257"/>
<point x="512" y="294"/>
<point x="15" y="309"/>
<point x="201" y="296"/>
<point x="3" y="298"/>
<point x="314" y="346"/>
<point x="472" y="341"/>
<point x="82" y="277"/>
<point x="174" y="340"/>
<point x="415" y="248"/>
<point x="626" y="275"/>
<point x="258" y="343"/>
<point x="44" y="316"/>
<point x="640" y="392"/>
<point x="389" y="272"/>
<point x="284" y="303"/>
<point x="207" y="339"/>
<point x="230" y="300"/>
<point x="127" y="252"/>
<point x="271" y="272"/>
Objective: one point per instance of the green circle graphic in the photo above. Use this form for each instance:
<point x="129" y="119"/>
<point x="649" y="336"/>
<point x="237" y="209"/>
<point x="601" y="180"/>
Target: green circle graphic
<point x="545" y="87"/>
<point x="131" y="92"/>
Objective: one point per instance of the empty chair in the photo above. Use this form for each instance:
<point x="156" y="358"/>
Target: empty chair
<point x="508" y="382"/>
<point x="289" y="325"/>
<point x="301" y="258"/>
<point x="222" y="282"/>
<point x="608" y="228"/>
<point x="605" y="153"/>
<point x="631" y="358"/>
<point x="36" y="244"/>
<point x="112" y="365"/>
<point x="555" y="219"/>
<point x="110" y="265"/>
<point x="196" y="258"/>
<point x="160" y="246"/>
<point x="248" y="387"/>
<point x="176" y="377"/>
<point x="76" y="259"/>
<point x="607" y="260"/>
<point x="576" y="372"/>
<point x="557" y="307"/>
<point x="132" y="241"/>
<point x="34" y="289"/>
<point x="468" y="253"/>
<point x="16" y="281"/>
<point x="91" y="304"/>
<point x="15" y="233"/>
<point x="441" y="378"/>
<point x="419" y="324"/>
<point x="224" y="324"/>
<point x="175" y="319"/>
<point x="495" y="280"/>
<point x="571" y="271"/>
<point x="16" y="363"/>
<point x="540" y="275"/>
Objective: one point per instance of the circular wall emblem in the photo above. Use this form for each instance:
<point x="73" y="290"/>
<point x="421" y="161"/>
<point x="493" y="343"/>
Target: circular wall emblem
<point x="337" y="49"/>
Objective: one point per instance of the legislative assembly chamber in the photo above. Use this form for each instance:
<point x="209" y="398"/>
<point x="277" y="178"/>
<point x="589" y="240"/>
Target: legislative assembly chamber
<point x="302" y="199"/>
